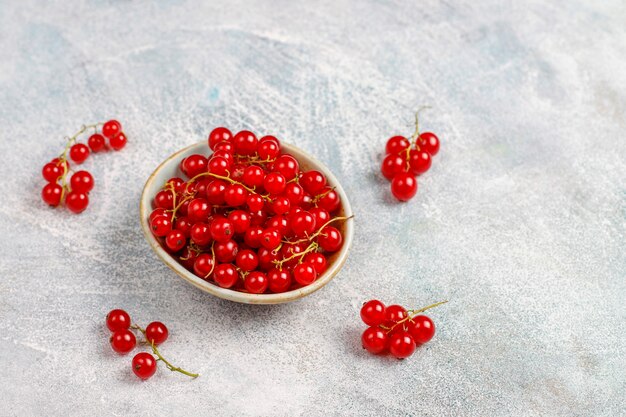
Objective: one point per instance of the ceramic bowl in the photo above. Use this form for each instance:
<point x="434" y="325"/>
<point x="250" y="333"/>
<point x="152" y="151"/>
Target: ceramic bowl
<point x="170" y="168"/>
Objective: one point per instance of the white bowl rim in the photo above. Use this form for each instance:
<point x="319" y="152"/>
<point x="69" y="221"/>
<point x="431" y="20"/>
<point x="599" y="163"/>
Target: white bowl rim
<point x="145" y="208"/>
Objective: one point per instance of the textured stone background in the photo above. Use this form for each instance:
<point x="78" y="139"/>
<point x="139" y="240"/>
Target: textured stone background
<point x="520" y="222"/>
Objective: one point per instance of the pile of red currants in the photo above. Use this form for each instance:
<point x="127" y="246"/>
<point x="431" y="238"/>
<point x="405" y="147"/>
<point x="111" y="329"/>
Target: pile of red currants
<point x="394" y="329"/>
<point x="406" y="159"/>
<point x="123" y="341"/>
<point x="247" y="217"/>
<point x="75" y="193"/>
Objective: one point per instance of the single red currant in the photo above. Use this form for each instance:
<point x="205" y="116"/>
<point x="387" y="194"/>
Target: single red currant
<point x="397" y="144"/>
<point x="144" y="365"/>
<point x="203" y="265"/>
<point x="198" y="210"/>
<point x="279" y="280"/>
<point x="281" y="205"/>
<point x="164" y="199"/>
<point x="117" y="320"/>
<point x="255" y="202"/>
<point x="304" y="274"/>
<point x="256" y="282"/>
<point x="51" y="172"/>
<point x="330" y="200"/>
<point x="252" y="237"/>
<point x="183" y="225"/>
<point x="200" y="234"/>
<point x="225" y="275"/>
<point x="235" y="195"/>
<point x="419" y="161"/>
<point x="330" y="239"/>
<point x="226" y="252"/>
<point x="111" y="128"/>
<point x="123" y="341"/>
<point x="287" y="165"/>
<point x="79" y="153"/>
<point x="401" y="345"/>
<point x="268" y="150"/>
<point x="404" y="186"/>
<point x="375" y="340"/>
<point x="393" y="314"/>
<point x="247" y="260"/>
<point x="270" y="238"/>
<point x="194" y="165"/>
<point x="222" y="230"/>
<point x="253" y="176"/>
<point x="274" y="183"/>
<point x="302" y="224"/>
<point x="429" y="142"/>
<point x="245" y="143"/>
<point x="321" y="216"/>
<point x="318" y="261"/>
<point x="82" y="182"/>
<point x="118" y="141"/>
<point x="240" y="220"/>
<point x="76" y="202"/>
<point x="393" y="164"/>
<point x="161" y="225"/>
<point x="267" y="257"/>
<point x="51" y="194"/>
<point x="218" y="135"/>
<point x="313" y="181"/>
<point x="215" y="192"/>
<point x="373" y="313"/>
<point x="156" y="332"/>
<point x="96" y="142"/>
<point x="294" y="192"/>
<point x="421" y="328"/>
<point x="175" y="240"/>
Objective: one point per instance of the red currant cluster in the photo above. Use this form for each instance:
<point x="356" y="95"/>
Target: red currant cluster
<point x="395" y="329"/>
<point x="81" y="183"/>
<point x="248" y="218"/>
<point x="406" y="159"/>
<point x="123" y="341"/>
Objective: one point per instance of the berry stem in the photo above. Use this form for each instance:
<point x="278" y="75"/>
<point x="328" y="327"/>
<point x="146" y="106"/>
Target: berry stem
<point x="416" y="134"/>
<point x="313" y="246"/>
<point x="160" y="357"/>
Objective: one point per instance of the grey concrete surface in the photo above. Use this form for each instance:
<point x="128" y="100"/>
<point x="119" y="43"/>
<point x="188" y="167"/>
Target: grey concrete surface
<point x="520" y="223"/>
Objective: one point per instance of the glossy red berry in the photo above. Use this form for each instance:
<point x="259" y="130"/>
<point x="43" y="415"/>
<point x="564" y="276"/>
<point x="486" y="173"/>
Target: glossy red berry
<point x="222" y="230"/>
<point x="274" y="183"/>
<point x="295" y="193"/>
<point x="321" y="216"/>
<point x="175" y="240"/>
<point x="118" y="141"/>
<point x="373" y="313"/>
<point x="375" y="340"/>
<point x="401" y="345"/>
<point x="247" y="260"/>
<point x="245" y="143"/>
<point x="253" y="176"/>
<point x="279" y="280"/>
<point x="96" y="142"/>
<point x="51" y="194"/>
<point x="313" y="181"/>
<point x="302" y="224"/>
<point x="419" y="161"/>
<point x="256" y="282"/>
<point x="161" y="225"/>
<point x="198" y="210"/>
<point x="111" y="128"/>
<point x="144" y="365"/>
<point x="226" y="251"/>
<point x="268" y="149"/>
<point x="225" y="275"/>
<point x="217" y="135"/>
<point x="215" y="192"/>
<point x="235" y="195"/>
<point x="421" y="328"/>
<point x="281" y="205"/>
<point x="287" y="165"/>
<point x="252" y="236"/>
<point x="164" y="199"/>
<point x="330" y="239"/>
<point x="330" y="200"/>
<point x="200" y="234"/>
<point x="318" y="261"/>
<point x="203" y="265"/>
<point x="397" y="144"/>
<point x="194" y="165"/>
<point x="429" y="142"/>
<point x="123" y="341"/>
<point x="79" y="153"/>
<point x="404" y="186"/>
<point x="82" y="182"/>
<point x="394" y="313"/>
<point x="156" y="332"/>
<point x="270" y="238"/>
<point x="254" y="202"/>
<point x="240" y="220"/>
<point x="118" y="319"/>
<point x="219" y="166"/>
<point x="76" y="202"/>
<point x="183" y="225"/>
<point x="304" y="274"/>
<point x="51" y="172"/>
<point x="393" y="164"/>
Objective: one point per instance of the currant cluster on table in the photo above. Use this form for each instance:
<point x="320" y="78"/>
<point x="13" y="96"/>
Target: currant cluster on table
<point x="406" y="159"/>
<point x="395" y="329"/>
<point x="247" y="217"/>
<point x="123" y="341"/>
<point x="75" y="193"/>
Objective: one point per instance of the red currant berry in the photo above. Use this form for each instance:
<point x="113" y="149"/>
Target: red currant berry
<point x="313" y="181"/>
<point x="175" y="240"/>
<point x="393" y="164"/>
<point x="235" y="195"/>
<point x="252" y="237"/>
<point x="177" y="183"/>
<point x="257" y="218"/>
<point x="240" y="220"/>
<point x="278" y="222"/>
<point x="329" y="200"/>
<point x="117" y="320"/>
<point x="429" y="142"/>
<point x="397" y="144"/>
<point x="144" y="365"/>
<point x="421" y="328"/>
<point x="64" y="165"/>
<point x="200" y="234"/>
<point x="51" y="194"/>
<point x="294" y="192"/>
<point x="123" y="341"/>
<point x="269" y="138"/>
<point x="274" y="183"/>
<point x="253" y="176"/>
<point x="218" y="135"/>
<point x="256" y="282"/>
<point x="225" y="275"/>
<point x="267" y="257"/>
<point x="287" y="165"/>
<point x="215" y="192"/>
<point x="255" y="202"/>
<point x="203" y="265"/>
<point x="183" y="225"/>
<point x="111" y="128"/>
<point x="161" y="225"/>
<point x="321" y="216"/>
<point x="96" y="142"/>
<point x="245" y="143"/>
<point x="156" y="332"/>
<point x="373" y="313"/>
<point x="164" y="199"/>
<point x="247" y="260"/>
<point x="375" y="340"/>
<point x="268" y="150"/>
<point x="222" y="230"/>
<point x="188" y="257"/>
<point x="330" y="239"/>
<point x="279" y="280"/>
<point x="194" y="165"/>
<point x="270" y="238"/>
<point x="198" y="210"/>
<point x="51" y="172"/>
<point x="159" y="212"/>
<point x="219" y="166"/>
<point x="82" y="182"/>
<point x="226" y="252"/>
<point x="419" y="161"/>
<point x="304" y="274"/>
<point x="318" y="261"/>
<point x="404" y="186"/>
<point x="118" y="141"/>
<point x="76" y="202"/>
<point x="225" y="146"/>
<point x="393" y="314"/>
<point x="401" y="345"/>
<point x="281" y="205"/>
<point x="79" y="153"/>
<point x="302" y="224"/>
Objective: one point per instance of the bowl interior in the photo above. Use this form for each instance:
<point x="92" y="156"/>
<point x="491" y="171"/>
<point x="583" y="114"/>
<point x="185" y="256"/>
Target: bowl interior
<point x="170" y="168"/>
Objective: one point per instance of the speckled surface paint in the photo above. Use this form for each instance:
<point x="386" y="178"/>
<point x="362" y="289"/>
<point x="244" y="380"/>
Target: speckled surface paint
<point x="520" y="222"/>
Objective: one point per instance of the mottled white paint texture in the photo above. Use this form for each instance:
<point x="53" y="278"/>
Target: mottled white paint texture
<point x="520" y="222"/>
